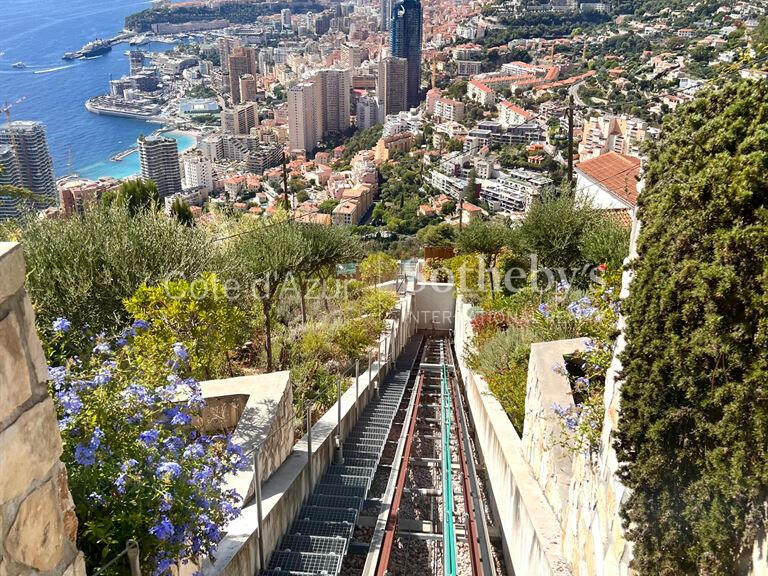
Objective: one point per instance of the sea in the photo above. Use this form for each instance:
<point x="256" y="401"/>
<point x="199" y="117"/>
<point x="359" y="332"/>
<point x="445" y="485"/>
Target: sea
<point x="54" y="91"/>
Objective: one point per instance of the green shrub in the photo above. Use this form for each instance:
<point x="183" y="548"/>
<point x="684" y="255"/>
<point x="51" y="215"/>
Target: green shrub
<point x="694" y="419"/>
<point x="85" y="266"/>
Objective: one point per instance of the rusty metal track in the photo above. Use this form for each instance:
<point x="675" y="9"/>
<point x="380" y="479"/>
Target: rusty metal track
<point x="391" y="529"/>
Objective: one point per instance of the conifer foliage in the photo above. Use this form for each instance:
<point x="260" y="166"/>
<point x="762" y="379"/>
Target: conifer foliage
<point x="693" y="430"/>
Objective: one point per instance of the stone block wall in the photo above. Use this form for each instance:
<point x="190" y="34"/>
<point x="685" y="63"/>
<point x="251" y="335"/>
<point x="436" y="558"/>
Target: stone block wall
<point x="542" y="438"/>
<point x="38" y="526"/>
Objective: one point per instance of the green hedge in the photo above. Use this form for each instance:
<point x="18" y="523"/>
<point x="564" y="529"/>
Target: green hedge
<point x="693" y="431"/>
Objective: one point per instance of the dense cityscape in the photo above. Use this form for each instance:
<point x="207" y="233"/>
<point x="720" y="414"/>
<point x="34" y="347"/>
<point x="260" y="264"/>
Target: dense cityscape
<point x="461" y="287"/>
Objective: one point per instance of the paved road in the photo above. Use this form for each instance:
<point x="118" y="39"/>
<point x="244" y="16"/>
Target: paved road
<point x="574" y="91"/>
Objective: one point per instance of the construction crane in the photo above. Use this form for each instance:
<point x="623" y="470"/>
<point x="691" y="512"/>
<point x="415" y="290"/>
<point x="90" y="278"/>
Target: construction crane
<point x="6" y="109"/>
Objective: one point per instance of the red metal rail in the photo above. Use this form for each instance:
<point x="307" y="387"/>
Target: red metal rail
<point x="472" y="535"/>
<point x="391" y="529"/>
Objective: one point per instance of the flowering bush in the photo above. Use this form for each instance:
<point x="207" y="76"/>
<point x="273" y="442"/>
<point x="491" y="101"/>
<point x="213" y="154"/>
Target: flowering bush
<point x="137" y="466"/>
<point x="596" y="315"/>
<point x="503" y="335"/>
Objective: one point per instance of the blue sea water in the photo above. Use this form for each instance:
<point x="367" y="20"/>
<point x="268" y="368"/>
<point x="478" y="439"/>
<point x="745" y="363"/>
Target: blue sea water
<point x="38" y="32"/>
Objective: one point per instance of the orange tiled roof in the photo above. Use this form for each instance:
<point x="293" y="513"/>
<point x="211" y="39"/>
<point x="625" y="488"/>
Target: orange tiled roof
<point x="615" y="173"/>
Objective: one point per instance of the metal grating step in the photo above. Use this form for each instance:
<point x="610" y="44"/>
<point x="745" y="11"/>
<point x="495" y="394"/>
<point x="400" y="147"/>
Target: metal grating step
<point x="329" y="529"/>
<point x="349" y="471"/>
<point x="338" y="490"/>
<point x="322" y="514"/>
<point x="278" y="572"/>
<point x="368" y="434"/>
<point x="363" y="462"/>
<point x="344" y="480"/>
<point x="373" y="442"/>
<point x="346" y="502"/>
<point x="305" y="562"/>
<point x="355" y="453"/>
<point x="314" y="544"/>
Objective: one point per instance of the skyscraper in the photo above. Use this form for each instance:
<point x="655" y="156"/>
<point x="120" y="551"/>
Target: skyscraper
<point x="136" y="58"/>
<point x="391" y="86"/>
<point x="405" y="42"/>
<point x="9" y="206"/>
<point x="318" y="107"/>
<point x="304" y="110"/>
<point x="239" y="65"/>
<point x="29" y="161"/>
<point x="159" y="159"/>
<point x="285" y="18"/>
<point x="385" y="14"/>
<point x="334" y="97"/>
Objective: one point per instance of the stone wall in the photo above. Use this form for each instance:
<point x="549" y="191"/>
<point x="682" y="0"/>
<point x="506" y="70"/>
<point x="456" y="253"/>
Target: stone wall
<point x="38" y="526"/>
<point x="543" y="431"/>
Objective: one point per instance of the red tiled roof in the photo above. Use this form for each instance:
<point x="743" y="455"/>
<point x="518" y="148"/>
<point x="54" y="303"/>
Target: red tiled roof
<point x="615" y="173"/>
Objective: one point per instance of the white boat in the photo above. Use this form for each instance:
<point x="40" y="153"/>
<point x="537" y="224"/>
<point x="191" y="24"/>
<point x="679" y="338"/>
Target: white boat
<point x="19" y="65"/>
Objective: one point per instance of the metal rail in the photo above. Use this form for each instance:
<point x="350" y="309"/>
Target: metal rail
<point x="477" y="532"/>
<point x="449" y="528"/>
<point x="391" y="529"/>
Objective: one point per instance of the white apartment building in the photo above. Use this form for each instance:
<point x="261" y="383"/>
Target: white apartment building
<point x="196" y="172"/>
<point x="449" y="109"/>
<point x="479" y="92"/>
<point x="511" y="114"/>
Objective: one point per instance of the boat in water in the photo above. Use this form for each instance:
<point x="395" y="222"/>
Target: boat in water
<point x="91" y="50"/>
<point x="19" y="65"/>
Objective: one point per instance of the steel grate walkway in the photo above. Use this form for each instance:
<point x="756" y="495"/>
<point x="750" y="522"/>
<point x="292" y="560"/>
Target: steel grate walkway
<point x="317" y="541"/>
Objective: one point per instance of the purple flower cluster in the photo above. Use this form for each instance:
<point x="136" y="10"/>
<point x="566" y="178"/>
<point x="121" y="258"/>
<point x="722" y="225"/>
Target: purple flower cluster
<point x="569" y="416"/>
<point x="151" y="454"/>
<point x="583" y="308"/>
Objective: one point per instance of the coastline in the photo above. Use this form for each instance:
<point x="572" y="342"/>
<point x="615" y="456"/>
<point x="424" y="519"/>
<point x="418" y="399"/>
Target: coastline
<point x="129" y="167"/>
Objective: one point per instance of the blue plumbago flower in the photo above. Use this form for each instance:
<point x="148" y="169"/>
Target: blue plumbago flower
<point x="96" y="498"/>
<point x="173" y="444"/>
<point x="177" y="417"/>
<point x="544" y="309"/>
<point x="140" y="325"/>
<point x="70" y="401"/>
<point x="128" y="464"/>
<point x="589" y="345"/>
<point x="149" y="437"/>
<point x="120" y="342"/>
<point x="571" y="422"/>
<point x="103" y="377"/>
<point x="166" y="503"/>
<point x="140" y="393"/>
<point x="162" y="531"/>
<point x="180" y="350"/>
<point x="61" y="324"/>
<point x="194" y="451"/>
<point x="58" y="374"/>
<point x="560" y="410"/>
<point x="120" y="483"/>
<point x="85" y="455"/>
<point x="128" y="333"/>
<point x="102" y="348"/>
<point x="582" y="383"/>
<point x="202" y="475"/>
<point x="563" y="286"/>
<point x="168" y="469"/>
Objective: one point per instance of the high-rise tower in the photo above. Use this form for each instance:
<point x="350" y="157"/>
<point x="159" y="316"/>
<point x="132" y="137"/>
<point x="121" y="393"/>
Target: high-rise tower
<point x="29" y="161"/>
<point x="405" y="42"/>
<point x="159" y="159"/>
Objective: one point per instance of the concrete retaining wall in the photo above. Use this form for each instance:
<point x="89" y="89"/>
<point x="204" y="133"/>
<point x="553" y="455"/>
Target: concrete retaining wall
<point x="530" y="531"/>
<point x="290" y="485"/>
<point x="38" y="526"/>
